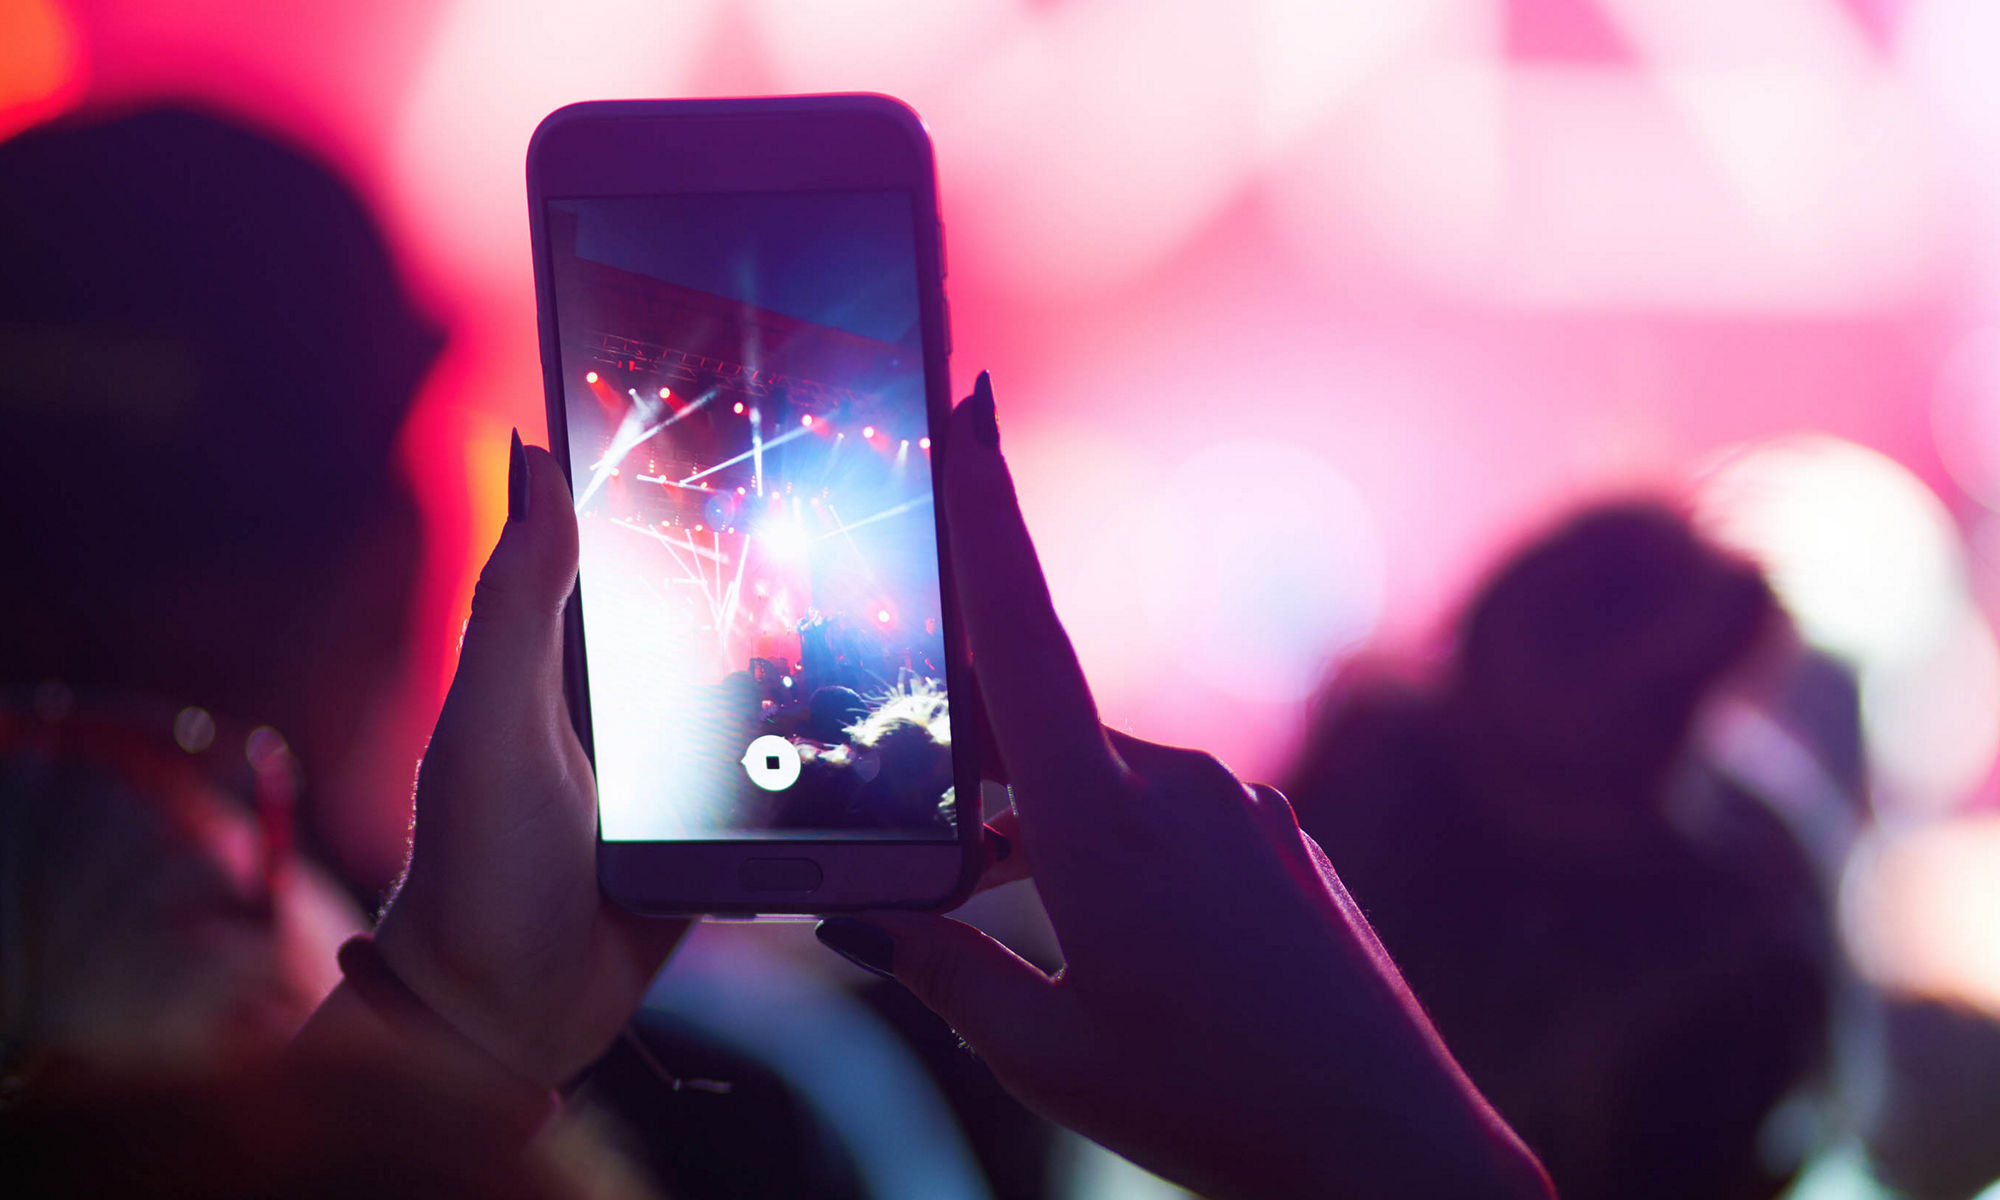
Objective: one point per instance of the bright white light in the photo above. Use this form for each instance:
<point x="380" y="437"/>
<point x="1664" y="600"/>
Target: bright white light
<point x="1871" y="567"/>
<point x="784" y="539"/>
<point x="1933" y="725"/>
<point x="1920" y="909"/>
<point x="1864" y="555"/>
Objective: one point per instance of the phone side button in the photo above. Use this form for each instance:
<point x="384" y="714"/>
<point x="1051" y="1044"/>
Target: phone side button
<point x="780" y="875"/>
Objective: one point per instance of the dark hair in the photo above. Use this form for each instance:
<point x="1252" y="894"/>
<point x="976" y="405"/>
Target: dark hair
<point x="205" y="356"/>
<point x="1628" y="953"/>
<point x="1601" y="637"/>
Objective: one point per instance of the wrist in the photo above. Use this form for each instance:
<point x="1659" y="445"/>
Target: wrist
<point x="372" y="1014"/>
<point x="467" y="1003"/>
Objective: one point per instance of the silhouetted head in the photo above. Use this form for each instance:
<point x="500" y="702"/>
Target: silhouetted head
<point x="831" y="710"/>
<point x="1591" y="650"/>
<point x="908" y="739"/>
<point x="1628" y="952"/>
<point x="205" y="357"/>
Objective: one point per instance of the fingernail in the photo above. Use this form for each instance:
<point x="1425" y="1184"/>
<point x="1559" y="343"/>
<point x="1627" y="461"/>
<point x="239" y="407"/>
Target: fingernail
<point x="517" y="481"/>
<point x="985" y="426"/>
<point x="864" y="945"/>
<point x="1003" y="848"/>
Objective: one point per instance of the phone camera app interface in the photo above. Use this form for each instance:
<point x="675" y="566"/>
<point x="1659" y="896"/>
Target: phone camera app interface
<point x="743" y="379"/>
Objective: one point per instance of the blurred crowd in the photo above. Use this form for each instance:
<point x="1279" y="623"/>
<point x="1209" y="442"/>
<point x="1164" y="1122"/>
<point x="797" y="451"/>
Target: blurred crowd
<point x="1579" y="826"/>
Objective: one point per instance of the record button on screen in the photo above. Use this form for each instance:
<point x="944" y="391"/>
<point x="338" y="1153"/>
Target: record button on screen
<point x="772" y="763"/>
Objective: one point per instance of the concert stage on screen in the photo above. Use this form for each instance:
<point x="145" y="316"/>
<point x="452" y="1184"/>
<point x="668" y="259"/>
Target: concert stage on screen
<point x="750" y="458"/>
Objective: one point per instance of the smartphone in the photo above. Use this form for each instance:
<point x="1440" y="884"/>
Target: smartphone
<point x="744" y="342"/>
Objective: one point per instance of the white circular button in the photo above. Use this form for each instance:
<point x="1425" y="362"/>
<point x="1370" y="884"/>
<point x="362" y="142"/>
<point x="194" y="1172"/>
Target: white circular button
<point x="772" y="763"/>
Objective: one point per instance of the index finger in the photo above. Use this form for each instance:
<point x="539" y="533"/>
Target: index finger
<point x="1041" y="710"/>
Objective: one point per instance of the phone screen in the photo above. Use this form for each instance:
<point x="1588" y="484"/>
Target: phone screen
<point x="743" y="380"/>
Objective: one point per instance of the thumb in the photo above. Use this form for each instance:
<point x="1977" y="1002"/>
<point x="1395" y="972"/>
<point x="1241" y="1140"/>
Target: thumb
<point x="513" y="639"/>
<point x="1004" y="1007"/>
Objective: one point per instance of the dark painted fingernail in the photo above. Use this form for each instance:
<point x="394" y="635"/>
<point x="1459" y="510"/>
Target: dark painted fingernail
<point x="1003" y="847"/>
<point x="517" y="481"/>
<point x="864" y="945"/>
<point x="985" y="425"/>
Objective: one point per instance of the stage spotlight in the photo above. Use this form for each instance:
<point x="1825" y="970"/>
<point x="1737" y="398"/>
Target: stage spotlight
<point x="868" y="431"/>
<point x="739" y="491"/>
<point x="923" y="443"/>
<point x="785" y="539"/>
<point x="807" y="420"/>
<point x="666" y="393"/>
<point x="905" y="445"/>
<point x="739" y="408"/>
<point x="697" y="528"/>
<point x="882" y="615"/>
<point x="590" y="377"/>
<point x="784" y="681"/>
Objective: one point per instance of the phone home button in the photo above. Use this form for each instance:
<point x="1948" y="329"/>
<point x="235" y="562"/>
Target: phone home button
<point x="779" y="875"/>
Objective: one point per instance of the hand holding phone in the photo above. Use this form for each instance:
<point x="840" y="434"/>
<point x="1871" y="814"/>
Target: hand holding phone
<point x="1224" y="1015"/>
<point x="498" y="924"/>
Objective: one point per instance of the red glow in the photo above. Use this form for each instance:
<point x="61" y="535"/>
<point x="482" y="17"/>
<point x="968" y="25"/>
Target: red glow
<point x="739" y="408"/>
<point x="41" y="64"/>
<point x="590" y="377"/>
<point x="923" y="443"/>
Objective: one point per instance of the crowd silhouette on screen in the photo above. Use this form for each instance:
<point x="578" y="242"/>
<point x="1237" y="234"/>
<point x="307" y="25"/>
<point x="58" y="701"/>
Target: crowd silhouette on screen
<point x="1605" y="959"/>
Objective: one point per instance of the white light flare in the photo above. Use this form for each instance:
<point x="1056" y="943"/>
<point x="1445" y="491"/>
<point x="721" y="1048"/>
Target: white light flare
<point x="1920" y="909"/>
<point x="1872" y="568"/>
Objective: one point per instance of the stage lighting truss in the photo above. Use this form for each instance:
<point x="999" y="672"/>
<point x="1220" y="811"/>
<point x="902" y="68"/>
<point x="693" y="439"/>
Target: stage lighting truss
<point x="683" y="369"/>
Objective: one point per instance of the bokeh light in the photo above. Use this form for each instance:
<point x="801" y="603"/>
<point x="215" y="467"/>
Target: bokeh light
<point x="1921" y="907"/>
<point x="1871" y="566"/>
